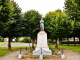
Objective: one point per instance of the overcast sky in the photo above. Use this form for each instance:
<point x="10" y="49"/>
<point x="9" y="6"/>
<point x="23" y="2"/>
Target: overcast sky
<point x="42" y="6"/>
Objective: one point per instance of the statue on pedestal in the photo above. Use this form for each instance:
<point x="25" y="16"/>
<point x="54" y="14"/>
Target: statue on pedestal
<point x="42" y="24"/>
<point x="42" y="44"/>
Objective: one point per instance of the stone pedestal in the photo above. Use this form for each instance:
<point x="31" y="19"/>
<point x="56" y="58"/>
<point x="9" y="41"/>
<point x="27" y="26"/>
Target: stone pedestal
<point x="62" y="56"/>
<point x="59" y="52"/>
<point x="20" y="56"/>
<point x="41" y="57"/>
<point x="42" y="43"/>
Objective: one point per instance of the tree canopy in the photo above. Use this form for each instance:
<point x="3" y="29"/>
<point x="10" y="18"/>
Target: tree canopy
<point x="32" y="23"/>
<point x="58" y="24"/>
<point x="12" y="22"/>
<point x="6" y="9"/>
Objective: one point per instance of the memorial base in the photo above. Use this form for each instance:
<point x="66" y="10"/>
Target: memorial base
<point x="41" y="57"/>
<point x="59" y="52"/>
<point x="20" y="56"/>
<point x="62" y="56"/>
<point x="43" y="52"/>
<point x="42" y="45"/>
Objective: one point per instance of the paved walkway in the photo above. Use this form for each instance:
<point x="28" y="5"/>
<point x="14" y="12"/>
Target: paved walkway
<point x="16" y="44"/>
<point x="69" y="56"/>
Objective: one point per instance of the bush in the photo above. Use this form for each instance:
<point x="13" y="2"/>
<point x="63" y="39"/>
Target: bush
<point x="26" y="40"/>
<point x="53" y="50"/>
<point x="17" y="39"/>
<point x="49" y="41"/>
<point x="1" y="39"/>
<point x="55" y="53"/>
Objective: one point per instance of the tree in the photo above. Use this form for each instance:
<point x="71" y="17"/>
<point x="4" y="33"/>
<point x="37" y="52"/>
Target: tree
<point x="72" y="9"/>
<point x="32" y="24"/>
<point x="6" y="9"/>
<point x="62" y="25"/>
<point x="12" y="25"/>
<point x="47" y="25"/>
<point x="59" y="25"/>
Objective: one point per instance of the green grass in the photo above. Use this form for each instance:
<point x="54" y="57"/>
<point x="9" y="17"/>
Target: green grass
<point x="4" y="50"/>
<point x="70" y="47"/>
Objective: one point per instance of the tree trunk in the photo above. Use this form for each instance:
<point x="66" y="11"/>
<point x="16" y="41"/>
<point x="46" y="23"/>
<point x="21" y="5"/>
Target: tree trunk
<point x="61" y="41"/>
<point x="74" y="42"/>
<point x="9" y="43"/>
<point x="32" y="42"/>
<point x="79" y="40"/>
<point x="68" y="41"/>
<point x="56" y="44"/>
<point x="52" y="41"/>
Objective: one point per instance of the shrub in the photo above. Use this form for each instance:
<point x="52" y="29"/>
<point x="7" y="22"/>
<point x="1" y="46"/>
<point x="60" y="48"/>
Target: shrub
<point x="17" y="39"/>
<point x="26" y="40"/>
<point x="50" y="40"/>
<point x="1" y="39"/>
<point x="53" y="50"/>
<point x="55" y="53"/>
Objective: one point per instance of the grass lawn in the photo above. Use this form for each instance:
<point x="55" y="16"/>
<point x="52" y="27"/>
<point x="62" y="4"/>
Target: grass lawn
<point x="4" y="50"/>
<point x="70" y="47"/>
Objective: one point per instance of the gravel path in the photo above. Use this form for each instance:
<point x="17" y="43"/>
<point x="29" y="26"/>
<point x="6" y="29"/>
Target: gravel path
<point x="71" y="55"/>
<point x="68" y="54"/>
<point x="11" y="56"/>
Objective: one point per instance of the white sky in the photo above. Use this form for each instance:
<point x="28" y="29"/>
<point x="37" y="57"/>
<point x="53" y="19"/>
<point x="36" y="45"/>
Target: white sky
<point x="42" y="6"/>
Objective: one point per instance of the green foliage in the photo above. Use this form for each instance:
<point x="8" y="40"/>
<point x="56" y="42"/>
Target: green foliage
<point x="58" y="24"/>
<point x="17" y="11"/>
<point x="9" y="19"/>
<point x="31" y="24"/>
<point x="49" y="41"/>
<point x="1" y="39"/>
<point x="61" y="25"/>
<point x="55" y="53"/>
<point x="6" y="9"/>
<point x="25" y="39"/>
<point x="17" y="39"/>
<point x="72" y="9"/>
<point x="53" y="50"/>
<point x="12" y="25"/>
<point x="63" y="38"/>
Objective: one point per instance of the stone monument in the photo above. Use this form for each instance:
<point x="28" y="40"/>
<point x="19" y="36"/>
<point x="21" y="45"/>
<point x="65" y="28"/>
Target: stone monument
<point x="42" y="45"/>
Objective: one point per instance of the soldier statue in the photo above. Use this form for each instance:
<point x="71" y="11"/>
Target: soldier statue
<point x="42" y="24"/>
